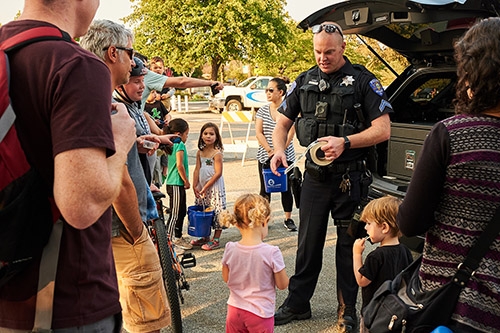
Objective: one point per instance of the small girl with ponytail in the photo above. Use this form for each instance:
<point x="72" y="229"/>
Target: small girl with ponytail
<point x="251" y="268"/>
<point x="178" y="183"/>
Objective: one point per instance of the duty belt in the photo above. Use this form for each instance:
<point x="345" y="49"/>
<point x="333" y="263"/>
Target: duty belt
<point x="341" y="167"/>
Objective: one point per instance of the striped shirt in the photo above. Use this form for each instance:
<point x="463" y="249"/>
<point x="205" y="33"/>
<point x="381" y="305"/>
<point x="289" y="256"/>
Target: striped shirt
<point x="268" y="125"/>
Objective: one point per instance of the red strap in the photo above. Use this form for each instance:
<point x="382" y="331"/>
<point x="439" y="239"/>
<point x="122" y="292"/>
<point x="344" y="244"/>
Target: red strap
<point x="30" y="34"/>
<point x="27" y="35"/>
<point x="4" y="84"/>
<point x="15" y="164"/>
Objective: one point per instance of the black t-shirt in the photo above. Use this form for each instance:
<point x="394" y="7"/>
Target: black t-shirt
<point x="383" y="264"/>
<point x="157" y="111"/>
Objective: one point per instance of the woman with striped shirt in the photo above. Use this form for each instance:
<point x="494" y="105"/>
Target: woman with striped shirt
<point x="264" y="125"/>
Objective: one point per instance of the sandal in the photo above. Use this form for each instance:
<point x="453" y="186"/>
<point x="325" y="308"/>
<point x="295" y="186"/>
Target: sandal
<point x="200" y="241"/>
<point x="211" y="246"/>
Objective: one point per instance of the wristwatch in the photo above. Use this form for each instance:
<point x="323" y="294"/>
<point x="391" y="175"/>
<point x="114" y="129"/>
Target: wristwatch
<point x="347" y="143"/>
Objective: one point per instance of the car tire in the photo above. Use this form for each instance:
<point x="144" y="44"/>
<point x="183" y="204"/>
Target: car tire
<point x="234" y="105"/>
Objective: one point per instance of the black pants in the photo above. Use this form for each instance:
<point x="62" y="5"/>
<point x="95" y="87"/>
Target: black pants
<point x="177" y="195"/>
<point x="318" y="200"/>
<point x="286" y="197"/>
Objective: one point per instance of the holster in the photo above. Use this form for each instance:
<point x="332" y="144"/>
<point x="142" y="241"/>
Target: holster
<point x="315" y="171"/>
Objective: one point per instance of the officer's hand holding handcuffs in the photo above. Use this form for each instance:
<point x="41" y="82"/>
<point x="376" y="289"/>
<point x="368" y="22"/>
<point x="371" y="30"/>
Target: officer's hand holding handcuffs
<point x="334" y="147"/>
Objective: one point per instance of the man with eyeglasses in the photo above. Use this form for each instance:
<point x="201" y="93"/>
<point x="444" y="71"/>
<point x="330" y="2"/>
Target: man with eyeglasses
<point x="344" y="107"/>
<point x="142" y="293"/>
<point x="78" y="142"/>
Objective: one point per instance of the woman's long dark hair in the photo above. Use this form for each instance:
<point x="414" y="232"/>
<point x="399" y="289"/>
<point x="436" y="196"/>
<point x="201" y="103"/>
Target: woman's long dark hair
<point x="281" y="83"/>
<point x="477" y="55"/>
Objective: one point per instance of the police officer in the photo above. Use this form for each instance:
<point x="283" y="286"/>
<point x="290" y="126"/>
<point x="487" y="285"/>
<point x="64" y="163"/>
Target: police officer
<point x="344" y="107"/>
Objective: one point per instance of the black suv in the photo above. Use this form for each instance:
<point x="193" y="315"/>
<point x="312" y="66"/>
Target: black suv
<point x="423" y="31"/>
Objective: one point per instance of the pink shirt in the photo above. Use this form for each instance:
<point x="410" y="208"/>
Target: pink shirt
<point x="251" y="276"/>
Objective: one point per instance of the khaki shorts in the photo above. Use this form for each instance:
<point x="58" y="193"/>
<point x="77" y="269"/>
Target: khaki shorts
<point x="142" y="292"/>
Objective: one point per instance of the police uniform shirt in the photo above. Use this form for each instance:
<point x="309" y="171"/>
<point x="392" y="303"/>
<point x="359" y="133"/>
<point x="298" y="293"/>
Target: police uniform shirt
<point x="373" y="98"/>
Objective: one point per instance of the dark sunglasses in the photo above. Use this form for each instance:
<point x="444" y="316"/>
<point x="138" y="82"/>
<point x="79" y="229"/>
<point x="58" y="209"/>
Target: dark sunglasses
<point x="271" y="90"/>
<point x="329" y="28"/>
<point x="129" y="50"/>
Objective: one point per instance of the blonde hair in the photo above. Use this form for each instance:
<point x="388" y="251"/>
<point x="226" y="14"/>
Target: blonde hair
<point x="384" y="209"/>
<point x="250" y="210"/>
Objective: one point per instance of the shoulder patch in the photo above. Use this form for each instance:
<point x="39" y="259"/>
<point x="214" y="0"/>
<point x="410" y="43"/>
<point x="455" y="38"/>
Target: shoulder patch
<point x="282" y="107"/>
<point x="377" y="87"/>
<point x="292" y="88"/>
<point x="384" y="104"/>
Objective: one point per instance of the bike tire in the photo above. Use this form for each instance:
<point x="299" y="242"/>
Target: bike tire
<point x="169" y="277"/>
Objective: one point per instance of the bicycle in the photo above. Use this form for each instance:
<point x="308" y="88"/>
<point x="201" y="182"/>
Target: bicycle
<point x="172" y="268"/>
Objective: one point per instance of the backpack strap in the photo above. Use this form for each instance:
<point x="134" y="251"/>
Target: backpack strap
<point x="50" y="254"/>
<point x="46" y="280"/>
<point x="31" y="36"/>
<point x="18" y="166"/>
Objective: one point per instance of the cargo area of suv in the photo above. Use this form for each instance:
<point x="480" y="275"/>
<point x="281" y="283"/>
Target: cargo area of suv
<point x="424" y="32"/>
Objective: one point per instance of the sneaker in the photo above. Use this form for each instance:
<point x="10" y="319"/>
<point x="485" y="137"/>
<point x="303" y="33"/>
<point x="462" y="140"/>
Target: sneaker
<point x="212" y="245"/>
<point x="200" y="241"/>
<point x="179" y="251"/>
<point x="347" y="320"/>
<point x="290" y="225"/>
<point x="284" y="315"/>
<point x="183" y="243"/>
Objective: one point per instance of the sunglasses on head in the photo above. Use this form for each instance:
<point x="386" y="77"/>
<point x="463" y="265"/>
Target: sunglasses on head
<point x="271" y="90"/>
<point x="329" y="28"/>
<point x="129" y="50"/>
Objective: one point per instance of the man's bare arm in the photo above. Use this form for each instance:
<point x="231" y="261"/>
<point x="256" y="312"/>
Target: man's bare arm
<point x="379" y="131"/>
<point x="280" y="135"/>
<point x="190" y="82"/>
<point x="126" y="206"/>
<point x="85" y="181"/>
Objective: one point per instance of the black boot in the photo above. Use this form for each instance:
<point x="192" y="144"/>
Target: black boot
<point x="347" y="321"/>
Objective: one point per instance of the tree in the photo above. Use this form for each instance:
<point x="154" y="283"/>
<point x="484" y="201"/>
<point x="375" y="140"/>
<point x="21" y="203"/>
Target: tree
<point x="191" y="33"/>
<point x="292" y="58"/>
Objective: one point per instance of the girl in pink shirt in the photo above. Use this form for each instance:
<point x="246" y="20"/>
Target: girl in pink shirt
<point x="251" y="268"/>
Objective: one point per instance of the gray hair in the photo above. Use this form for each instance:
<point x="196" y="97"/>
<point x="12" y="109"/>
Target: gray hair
<point x="103" y="34"/>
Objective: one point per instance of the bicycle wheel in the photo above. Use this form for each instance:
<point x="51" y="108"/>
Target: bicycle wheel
<point x="169" y="277"/>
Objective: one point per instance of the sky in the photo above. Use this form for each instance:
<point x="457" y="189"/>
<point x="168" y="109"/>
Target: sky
<point x="116" y="9"/>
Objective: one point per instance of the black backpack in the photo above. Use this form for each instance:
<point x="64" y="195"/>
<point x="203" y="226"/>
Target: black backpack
<point x="27" y="209"/>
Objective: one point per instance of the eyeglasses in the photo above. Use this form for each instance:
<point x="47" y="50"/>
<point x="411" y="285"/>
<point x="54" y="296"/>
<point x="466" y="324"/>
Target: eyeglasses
<point x="271" y="90"/>
<point x="329" y="28"/>
<point x="129" y="50"/>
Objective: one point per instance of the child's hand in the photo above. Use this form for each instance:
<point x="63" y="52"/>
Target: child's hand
<point x="187" y="186"/>
<point x="169" y="139"/>
<point x="359" y="246"/>
<point x="202" y="192"/>
<point x="196" y="192"/>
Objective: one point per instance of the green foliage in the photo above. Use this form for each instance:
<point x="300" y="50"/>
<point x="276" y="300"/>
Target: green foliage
<point x="292" y="59"/>
<point x="190" y="33"/>
<point x="227" y="34"/>
<point x="358" y="52"/>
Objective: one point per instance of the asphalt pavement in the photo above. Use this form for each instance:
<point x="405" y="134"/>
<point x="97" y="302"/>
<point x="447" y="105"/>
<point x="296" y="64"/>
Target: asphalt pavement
<point x="204" y="308"/>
